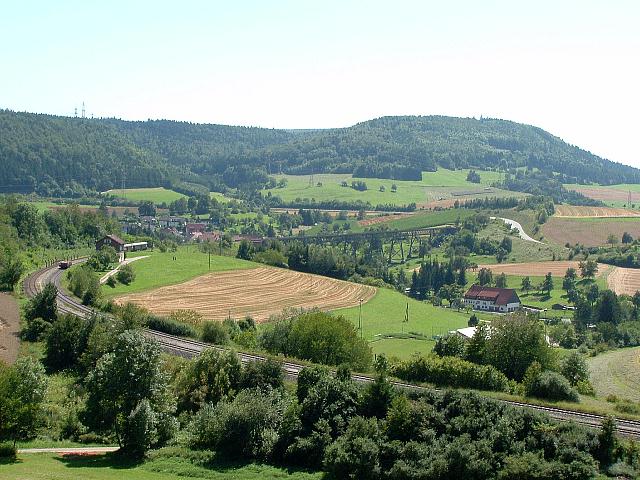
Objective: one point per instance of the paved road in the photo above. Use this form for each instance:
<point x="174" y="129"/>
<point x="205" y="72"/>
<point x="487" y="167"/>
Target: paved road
<point x="517" y="226"/>
<point x="111" y="273"/>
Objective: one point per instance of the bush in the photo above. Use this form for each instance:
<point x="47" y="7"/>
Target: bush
<point x="8" y="451"/>
<point x="451" y="372"/>
<point x="140" y="431"/>
<point x="449" y="346"/>
<point x="126" y="275"/>
<point x="36" y="329"/>
<point x="214" y="332"/>
<point x="552" y="386"/>
<point x="246" y="427"/>
<point x="62" y="348"/>
<point x="171" y="327"/>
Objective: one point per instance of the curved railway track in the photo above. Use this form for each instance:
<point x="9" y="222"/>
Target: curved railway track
<point x="190" y="348"/>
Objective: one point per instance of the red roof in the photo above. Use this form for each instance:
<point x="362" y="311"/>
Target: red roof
<point x="499" y="296"/>
<point x="115" y="239"/>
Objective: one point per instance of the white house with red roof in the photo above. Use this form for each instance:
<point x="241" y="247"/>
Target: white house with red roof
<point x="492" y="299"/>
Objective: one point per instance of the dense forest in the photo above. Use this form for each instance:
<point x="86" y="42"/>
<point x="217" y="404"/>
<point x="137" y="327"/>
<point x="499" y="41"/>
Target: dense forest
<point x="61" y="156"/>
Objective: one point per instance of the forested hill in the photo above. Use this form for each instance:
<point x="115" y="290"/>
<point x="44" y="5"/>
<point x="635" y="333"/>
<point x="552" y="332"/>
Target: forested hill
<point x="60" y="155"/>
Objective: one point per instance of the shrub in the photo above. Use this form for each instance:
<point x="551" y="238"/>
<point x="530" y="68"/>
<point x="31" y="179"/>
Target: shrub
<point x="140" y="431"/>
<point x="574" y="368"/>
<point x="36" y="329"/>
<point x="451" y="372"/>
<point x="262" y="374"/>
<point x="449" y="346"/>
<point x="171" y="327"/>
<point x="552" y="386"/>
<point x="214" y="332"/>
<point x="8" y="451"/>
<point x="126" y="274"/>
<point x="246" y="427"/>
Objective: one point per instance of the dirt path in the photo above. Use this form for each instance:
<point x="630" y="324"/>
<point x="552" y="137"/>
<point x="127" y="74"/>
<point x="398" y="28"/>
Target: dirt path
<point x="70" y="450"/>
<point x="9" y="328"/>
<point x="624" y="280"/>
<point x="106" y="276"/>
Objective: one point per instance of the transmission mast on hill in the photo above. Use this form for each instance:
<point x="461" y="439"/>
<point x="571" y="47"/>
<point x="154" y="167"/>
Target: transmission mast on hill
<point x="83" y="111"/>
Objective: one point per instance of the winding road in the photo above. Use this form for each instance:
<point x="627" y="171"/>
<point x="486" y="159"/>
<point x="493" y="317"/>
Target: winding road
<point x="517" y="226"/>
<point x="190" y="348"/>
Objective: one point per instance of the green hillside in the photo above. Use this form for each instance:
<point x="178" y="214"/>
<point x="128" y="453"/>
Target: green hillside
<point x="62" y="156"/>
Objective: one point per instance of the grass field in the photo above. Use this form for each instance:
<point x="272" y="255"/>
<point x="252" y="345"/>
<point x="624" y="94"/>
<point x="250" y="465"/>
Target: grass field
<point x="384" y="314"/>
<point x="156" y="195"/>
<point x="434" y="185"/>
<point x="617" y="373"/>
<point x="161" y="466"/>
<point x="430" y="219"/>
<point x="588" y="231"/>
<point x="160" y="269"/>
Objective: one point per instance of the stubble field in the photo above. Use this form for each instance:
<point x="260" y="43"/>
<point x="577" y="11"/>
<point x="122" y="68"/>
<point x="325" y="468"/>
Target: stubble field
<point x="589" y="231"/>
<point x="259" y="293"/>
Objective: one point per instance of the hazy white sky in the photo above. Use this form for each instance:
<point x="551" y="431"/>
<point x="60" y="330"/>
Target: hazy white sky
<point x="570" y="67"/>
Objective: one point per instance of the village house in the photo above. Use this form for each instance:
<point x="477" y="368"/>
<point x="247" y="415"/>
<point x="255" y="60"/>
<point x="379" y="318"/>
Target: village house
<point x="492" y="299"/>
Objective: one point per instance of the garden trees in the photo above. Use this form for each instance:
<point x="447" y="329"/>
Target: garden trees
<point x="547" y="284"/>
<point x="526" y="284"/>
<point x="574" y="368"/>
<point x="588" y="268"/>
<point x="485" y="277"/>
<point x="627" y="238"/>
<point x="501" y="281"/>
<point x="607" y="308"/>
<point x="450" y="346"/>
<point x="128" y="392"/>
<point x="103" y="258"/>
<point x="126" y="274"/>
<point x="514" y="343"/>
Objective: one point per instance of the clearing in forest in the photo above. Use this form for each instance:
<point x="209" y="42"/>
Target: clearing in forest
<point x="259" y="293"/>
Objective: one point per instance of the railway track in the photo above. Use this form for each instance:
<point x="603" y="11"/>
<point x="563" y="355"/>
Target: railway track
<point x="190" y="348"/>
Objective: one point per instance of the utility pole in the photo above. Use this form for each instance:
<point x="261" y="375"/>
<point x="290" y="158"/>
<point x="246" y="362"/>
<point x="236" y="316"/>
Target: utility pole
<point x="360" y="318"/>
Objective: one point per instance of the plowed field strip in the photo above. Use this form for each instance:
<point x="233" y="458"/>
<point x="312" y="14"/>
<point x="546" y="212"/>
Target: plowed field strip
<point x="570" y="211"/>
<point x="624" y="280"/>
<point x="258" y="292"/>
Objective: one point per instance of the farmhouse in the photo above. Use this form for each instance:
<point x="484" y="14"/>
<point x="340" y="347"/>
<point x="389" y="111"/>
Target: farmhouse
<point x="119" y="245"/>
<point x="492" y="299"/>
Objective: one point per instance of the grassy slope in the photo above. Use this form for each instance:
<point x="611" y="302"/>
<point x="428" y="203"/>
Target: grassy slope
<point x="617" y="373"/>
<point x="384" y="314"/>
<point x="155" y="195"/>
<point x="160" y="269"/>
<point x="109" y="467"/>
<point x="408" y="191"/>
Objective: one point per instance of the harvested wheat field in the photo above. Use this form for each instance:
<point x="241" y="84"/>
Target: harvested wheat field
<point x="624" y="280"/>
<point x="258" y="292"/>
<point x="606" y="194"/>
<point x="571" y="211"/>
<point x="589" y="231"/>
<point x="383" y="219"/>
<point x="539" y="269"/>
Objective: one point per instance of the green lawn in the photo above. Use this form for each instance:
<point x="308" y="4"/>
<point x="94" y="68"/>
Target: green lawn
<point x="617" y="373"/>
<point x="430" y="188"/>
<point x="161" y="269"/>
<point x="161" y="466"/>
<point x="384" y="315"/>
<point x="220" y="197"/>
<point x="156" y="195"/>
<point x="430" y="219"/>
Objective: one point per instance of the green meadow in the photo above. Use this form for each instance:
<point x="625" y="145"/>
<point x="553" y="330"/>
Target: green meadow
<point x="384" y="315"/>
<point x="324" y="187"/>
<point x="160" y="269"/>
<point x="156" y="195"/>
<point x="166" y="464"/>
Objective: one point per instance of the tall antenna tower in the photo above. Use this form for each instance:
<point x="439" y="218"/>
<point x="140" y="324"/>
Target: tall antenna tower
<point x="75" y="112"/>
<point x="83" y="111"/>
<point x="629" y="200"/>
